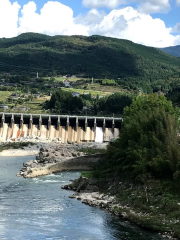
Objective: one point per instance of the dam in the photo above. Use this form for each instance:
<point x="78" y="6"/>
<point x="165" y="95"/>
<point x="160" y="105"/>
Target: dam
<point x="63" y="127"/>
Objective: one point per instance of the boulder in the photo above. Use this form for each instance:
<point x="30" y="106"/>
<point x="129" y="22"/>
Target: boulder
<point x="85" y="201"/>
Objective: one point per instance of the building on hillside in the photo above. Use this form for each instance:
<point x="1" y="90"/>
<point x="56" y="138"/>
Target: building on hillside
<point x="15" y="94"/>
<point x="67" y="83"/>
<point x="68" y="75"/>
<point x="37" y="95"/>
<point x="99" y="97"/>
<point x="75" y="94"/>
<point x="85" y="108"/>
<point x="14" y="98"/>
<point x="26" y="95"/>
<point x="3" y="106"/>
<point x="22" y="108"/>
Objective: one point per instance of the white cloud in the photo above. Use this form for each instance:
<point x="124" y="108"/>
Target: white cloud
<point x="57" y="19"/>
<point x="93" y="16"/>
<point x="177" y="40"/>
<point x="142" y="28"/>
<point x="111" y="25"/>
<point x="128" y="23"/>
<point x="178" y="2"/>
<point x="54" y="18"/>
<point x="149" y="6"/>
<point x="8" y="18"/>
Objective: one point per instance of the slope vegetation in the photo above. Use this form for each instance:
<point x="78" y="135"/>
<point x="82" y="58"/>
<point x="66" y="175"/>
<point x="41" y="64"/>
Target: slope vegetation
<point x="86" y="56"/>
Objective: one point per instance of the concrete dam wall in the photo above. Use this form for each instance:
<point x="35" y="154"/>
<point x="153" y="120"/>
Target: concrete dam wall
<point x="66" y="128"/>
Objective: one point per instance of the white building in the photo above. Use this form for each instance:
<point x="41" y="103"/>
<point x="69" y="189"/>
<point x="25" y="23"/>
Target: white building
<point x="67" y="83"/>
<point x="76" y="94"/>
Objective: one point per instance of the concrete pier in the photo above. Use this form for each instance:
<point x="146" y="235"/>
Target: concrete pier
<point x="65" y="127"/>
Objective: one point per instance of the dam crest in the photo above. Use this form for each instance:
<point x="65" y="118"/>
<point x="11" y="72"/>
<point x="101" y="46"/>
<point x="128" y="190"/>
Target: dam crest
<point x="63" y="127"/>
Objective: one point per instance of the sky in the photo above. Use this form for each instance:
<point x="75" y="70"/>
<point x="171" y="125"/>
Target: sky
<point x="153" y="23"/>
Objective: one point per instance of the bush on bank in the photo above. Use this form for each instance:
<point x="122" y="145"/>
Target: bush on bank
<point x="142" y="168"/>
<point x="149" y="142"/>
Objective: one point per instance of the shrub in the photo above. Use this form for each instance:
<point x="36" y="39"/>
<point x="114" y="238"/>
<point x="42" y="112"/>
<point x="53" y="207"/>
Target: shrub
<point x="149" y="143"/>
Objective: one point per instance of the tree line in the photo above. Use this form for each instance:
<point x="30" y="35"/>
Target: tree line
<point x="63" y="102"/>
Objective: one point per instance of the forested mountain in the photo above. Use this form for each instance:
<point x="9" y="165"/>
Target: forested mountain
<point x="95" y="55"/>
<point x="130" y="64"/>
<point x="175" y="51"/>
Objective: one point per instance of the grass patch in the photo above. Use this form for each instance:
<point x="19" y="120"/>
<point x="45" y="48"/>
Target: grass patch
<point x="90" y="151"/>
<point x="87" y="174"/>
<point x="4" y="95"/>
<point x="15" y="145"/>
<point x="34" y="106"/>
<point x="154" y="208"/>
<point x="81" y="91"/>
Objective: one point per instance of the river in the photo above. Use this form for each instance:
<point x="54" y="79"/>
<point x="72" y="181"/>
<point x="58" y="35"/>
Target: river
<point x="34" y="209"/>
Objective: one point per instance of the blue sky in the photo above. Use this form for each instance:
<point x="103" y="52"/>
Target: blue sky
<point x="151" y="22"/>
<point x="76" y="5"/>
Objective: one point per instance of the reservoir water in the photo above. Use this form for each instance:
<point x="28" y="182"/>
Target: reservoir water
<point x="34" y="209"/>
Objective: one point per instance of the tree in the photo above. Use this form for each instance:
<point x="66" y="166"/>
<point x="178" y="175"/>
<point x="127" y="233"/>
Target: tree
<point x="30" y="98"/>
<point x="20" y="101"/>
<point x="114" y="103"/>
<point x="149" y="143"/>
<point x="64" y="101"/>
<point x="151" y="101"/>
<point x="34" y="90"/>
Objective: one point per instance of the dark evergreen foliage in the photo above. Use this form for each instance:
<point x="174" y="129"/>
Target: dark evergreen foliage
<point x="114" y="103"/>
<point x="127" y="64"/>
<point x="62" y="101"/>
<point x="149" y="142"/>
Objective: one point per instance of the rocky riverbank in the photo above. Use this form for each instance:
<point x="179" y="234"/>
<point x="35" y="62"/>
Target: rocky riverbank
<point x="120" y="199"/>
<point x="25" y="146"/>
<point x="56" y="157"/>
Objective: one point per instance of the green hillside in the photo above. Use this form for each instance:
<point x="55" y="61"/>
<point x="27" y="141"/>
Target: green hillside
<point x="25" y="38"/>
<point x="94" y="56"/>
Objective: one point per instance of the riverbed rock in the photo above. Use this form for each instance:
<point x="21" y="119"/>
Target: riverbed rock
<point x="50" y="156"/>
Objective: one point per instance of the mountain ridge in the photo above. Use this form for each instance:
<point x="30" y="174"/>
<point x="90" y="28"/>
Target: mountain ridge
<point x="95" y="56"/>
<point x="172" y="50"/>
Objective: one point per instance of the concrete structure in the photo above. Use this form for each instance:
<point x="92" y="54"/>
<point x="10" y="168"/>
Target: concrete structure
<point x="67" y="128"/>
<point x="75" y="94"/>
<point x="4" y="106"/>
<point x="67" y="83"/>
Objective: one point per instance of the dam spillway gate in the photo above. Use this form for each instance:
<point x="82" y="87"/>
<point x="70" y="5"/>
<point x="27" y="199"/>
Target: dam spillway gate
<point x="63" y="127"/>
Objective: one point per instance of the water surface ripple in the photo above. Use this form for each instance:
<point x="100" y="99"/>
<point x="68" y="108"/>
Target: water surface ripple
<point x="34" y="209"/>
